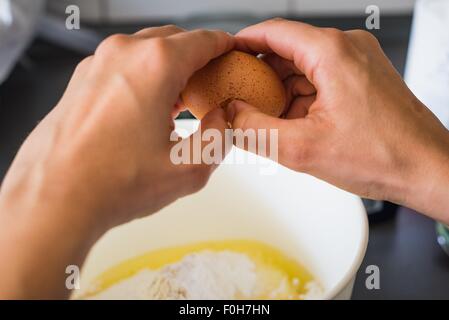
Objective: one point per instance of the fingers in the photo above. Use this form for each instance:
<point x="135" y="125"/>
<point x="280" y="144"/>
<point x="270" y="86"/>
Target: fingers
<point x="299" y="108"/>
<point x="292" y="135"/>
<point x="183" y="52"/>
<point x="207" y="148"/>
<point x="178" y="108"/>
<point x="298" y="86"/>
<point x="294" y="41"/>
<point x="176" y="111"/>
<point x="216" y="120"/>
<point x="164" y="57"/>
<point x="196" y="48"/>
<point x="243" y="116"/>
<point x="283" y="67"/>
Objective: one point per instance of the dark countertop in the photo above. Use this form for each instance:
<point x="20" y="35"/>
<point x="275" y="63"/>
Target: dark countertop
<point x="412" y="265"/>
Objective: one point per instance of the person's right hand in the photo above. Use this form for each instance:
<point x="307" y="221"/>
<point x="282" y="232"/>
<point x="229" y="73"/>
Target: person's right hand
<point x="350" y="120"/>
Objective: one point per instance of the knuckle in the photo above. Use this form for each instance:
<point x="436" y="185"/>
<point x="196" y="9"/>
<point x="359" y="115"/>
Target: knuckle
<point x="368" y="45"/>
<point x="370" y="38"/>
<point x="160" y="47"/>
<point x="360" y="33"/>
<point x="84" y="64"/>
<point x="365" y="37"/>
<point x="160" y="50"/>
<point x="154" y="31"/>
<point x="174" y="28"/>
<point x="111" y="44"/>
<point x="337" y="41"/>
<point x="364" y="34"/>
<point x="276" y="20"/>
<point x="203" y="33"/>
<point x="334" y="33"/>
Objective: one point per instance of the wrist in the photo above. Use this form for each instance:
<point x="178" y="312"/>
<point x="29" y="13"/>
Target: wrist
<point x="50" y="196"/>
<point x="426" y="189"/>
<point x="43" y="237"/>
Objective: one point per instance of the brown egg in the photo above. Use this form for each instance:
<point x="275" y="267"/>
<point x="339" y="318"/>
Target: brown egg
<point x="235" y="76"/>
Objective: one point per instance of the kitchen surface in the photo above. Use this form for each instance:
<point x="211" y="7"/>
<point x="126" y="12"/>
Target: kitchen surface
<point x="402" y="243"/>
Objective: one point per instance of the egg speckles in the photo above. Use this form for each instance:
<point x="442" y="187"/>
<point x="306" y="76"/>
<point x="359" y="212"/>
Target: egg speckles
<point x="235" y="76"/>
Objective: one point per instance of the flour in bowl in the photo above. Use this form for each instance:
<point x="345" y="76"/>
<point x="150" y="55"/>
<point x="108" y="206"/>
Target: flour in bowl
<point x="205" y="275"/>
<point x="223" y="275"/>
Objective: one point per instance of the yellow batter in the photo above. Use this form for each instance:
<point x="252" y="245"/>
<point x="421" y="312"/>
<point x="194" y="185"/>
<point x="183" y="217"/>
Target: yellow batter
<point x="271" y="265"/>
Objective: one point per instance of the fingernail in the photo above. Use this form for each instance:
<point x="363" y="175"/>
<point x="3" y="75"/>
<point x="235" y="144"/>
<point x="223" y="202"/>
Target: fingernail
<point x="230" y="111"/>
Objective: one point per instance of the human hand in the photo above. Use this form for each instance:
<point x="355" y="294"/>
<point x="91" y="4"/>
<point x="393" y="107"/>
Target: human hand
<point x="350" y="119"/>
<point x="102" y="156"/>
<point x="106" y="145"/>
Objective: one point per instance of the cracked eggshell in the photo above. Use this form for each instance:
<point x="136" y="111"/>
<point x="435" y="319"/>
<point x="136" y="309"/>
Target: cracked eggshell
<point x="235" y="76"/>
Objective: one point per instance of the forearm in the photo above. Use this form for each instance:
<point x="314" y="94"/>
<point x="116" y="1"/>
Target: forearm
<point x="39" y="238"/>
<point x="427" y="190"/>
<point x="432" y="198"/>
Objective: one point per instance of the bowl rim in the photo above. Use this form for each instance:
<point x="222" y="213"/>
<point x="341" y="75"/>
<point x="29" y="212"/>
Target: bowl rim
<point x="351" y="273"/>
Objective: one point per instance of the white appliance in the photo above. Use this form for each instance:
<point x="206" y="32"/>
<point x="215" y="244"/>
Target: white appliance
<point x="427" y="71"/>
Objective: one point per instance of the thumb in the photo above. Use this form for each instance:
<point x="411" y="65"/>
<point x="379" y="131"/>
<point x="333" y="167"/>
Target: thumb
<point x="214" y="129"/>
<point x="290" y="135"/>
<point x="204" y="150"/>
<point x="242" y="115"/>
<point x="211" y="143"/>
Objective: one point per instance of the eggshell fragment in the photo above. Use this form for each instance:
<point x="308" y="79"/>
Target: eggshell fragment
<point x="235" y="76"/>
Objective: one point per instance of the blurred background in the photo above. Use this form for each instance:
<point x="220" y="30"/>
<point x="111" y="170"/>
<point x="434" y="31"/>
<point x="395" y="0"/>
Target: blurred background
<point x="38" y="54"/>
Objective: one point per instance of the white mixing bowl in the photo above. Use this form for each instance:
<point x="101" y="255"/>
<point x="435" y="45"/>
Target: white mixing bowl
<point x="324" y="228"/>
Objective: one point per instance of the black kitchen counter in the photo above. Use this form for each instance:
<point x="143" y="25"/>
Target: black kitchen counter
<point x="412" y="265"/>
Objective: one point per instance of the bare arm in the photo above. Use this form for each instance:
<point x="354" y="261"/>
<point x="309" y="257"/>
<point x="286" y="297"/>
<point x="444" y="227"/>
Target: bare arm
<point x="101" y="157"/>
<point x="351" y="120"/>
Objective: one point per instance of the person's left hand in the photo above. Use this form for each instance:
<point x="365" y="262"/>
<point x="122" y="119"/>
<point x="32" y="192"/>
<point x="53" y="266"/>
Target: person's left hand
<point x="102" y="156"/>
